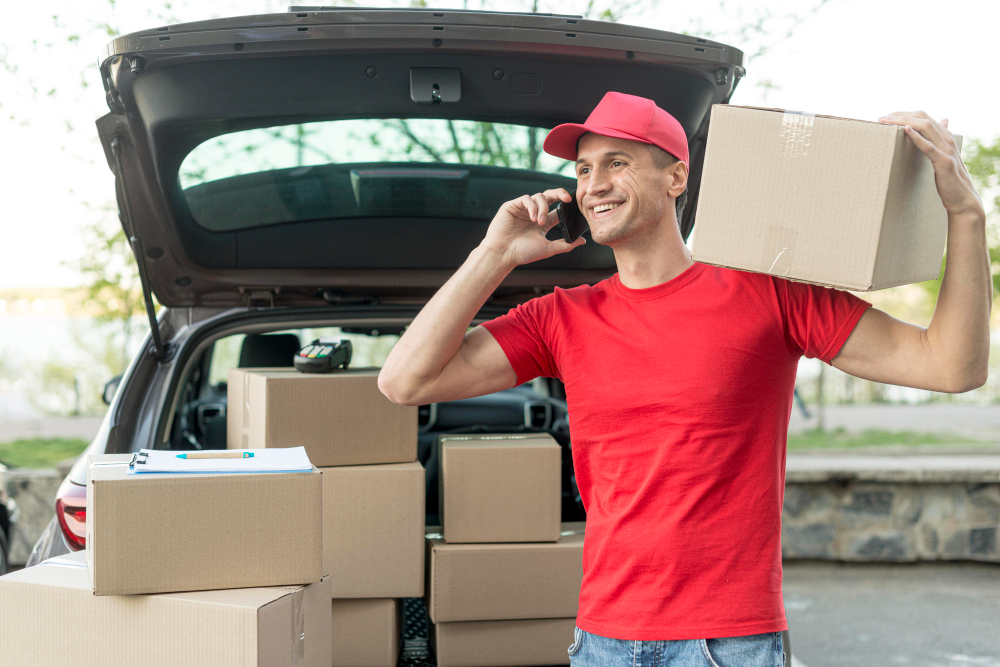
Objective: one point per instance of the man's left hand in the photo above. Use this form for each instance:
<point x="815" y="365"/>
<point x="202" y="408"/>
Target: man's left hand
<point x="954" y="184"/>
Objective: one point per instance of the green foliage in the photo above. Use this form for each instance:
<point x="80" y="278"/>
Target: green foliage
<point x="40" y="452"/>
<point x="114" y="291"/>
<point x="841" y="439"/>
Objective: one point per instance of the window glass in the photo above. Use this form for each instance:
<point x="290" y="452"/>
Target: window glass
<point x="367" y="351"/>
<point x="365" y="168"/>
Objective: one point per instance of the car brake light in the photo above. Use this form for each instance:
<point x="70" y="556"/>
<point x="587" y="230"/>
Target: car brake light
<point x="71" y="511"/>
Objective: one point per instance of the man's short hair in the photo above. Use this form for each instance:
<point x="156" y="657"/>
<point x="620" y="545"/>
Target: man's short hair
<point x="661" y="160"/>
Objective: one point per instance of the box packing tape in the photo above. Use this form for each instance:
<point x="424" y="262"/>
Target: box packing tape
<point x="565" y="533"/>
<point x="298" y="623"/>
<point x="489" y="437"/>
<point x="778" y="251"/>
<point x="796" y="132"/>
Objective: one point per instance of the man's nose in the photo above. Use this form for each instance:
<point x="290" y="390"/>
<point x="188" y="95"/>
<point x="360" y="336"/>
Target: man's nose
<point x="597" y="184"/>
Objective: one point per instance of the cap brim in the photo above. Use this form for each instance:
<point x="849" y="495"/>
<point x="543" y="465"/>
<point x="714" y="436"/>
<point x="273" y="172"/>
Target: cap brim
<point x="561" y="140"/>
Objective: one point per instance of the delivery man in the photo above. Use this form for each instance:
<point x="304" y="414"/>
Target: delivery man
<point x="679" y="380"/>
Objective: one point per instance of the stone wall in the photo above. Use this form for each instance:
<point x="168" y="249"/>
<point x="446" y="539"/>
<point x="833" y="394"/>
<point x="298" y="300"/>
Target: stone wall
<point x="34" y="491"/>
<point x="903" y="512"/>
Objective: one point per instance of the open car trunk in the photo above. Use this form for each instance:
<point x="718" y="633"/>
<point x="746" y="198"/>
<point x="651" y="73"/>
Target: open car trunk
<point x="340" y="226"/>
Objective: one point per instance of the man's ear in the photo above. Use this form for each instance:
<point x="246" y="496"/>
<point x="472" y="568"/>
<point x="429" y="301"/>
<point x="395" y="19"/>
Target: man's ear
<point x="677" y="179"/>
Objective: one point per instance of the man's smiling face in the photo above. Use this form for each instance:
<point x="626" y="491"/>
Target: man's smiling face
<point x="619" y="187"/>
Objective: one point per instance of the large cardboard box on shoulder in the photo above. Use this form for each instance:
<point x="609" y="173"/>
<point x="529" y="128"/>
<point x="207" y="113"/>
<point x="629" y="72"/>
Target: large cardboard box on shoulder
<point x="49" y="617"/>
<point x="166" y="532"/>
<point x="485" y="582"/>
<point x="845" y="203"/>
<point x="500" y="488"/>
<point x="341" y="418"/>
<point x="366" y="633"/>
<point x="373" y="530"/>
<point x="543" y="641"/>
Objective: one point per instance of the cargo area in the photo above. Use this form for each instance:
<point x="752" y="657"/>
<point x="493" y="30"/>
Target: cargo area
<point x="452" y="533"/>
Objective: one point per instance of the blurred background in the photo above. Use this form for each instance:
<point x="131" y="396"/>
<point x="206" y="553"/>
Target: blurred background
<point x="71" y="313"/>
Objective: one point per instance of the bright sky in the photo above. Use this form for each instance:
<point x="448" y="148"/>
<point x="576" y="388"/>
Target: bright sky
<point x="853" y="58"/>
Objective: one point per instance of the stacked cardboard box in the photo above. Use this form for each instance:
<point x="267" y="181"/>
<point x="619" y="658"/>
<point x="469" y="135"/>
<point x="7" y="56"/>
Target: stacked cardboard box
<point x="504" y="575"/>
<point x="169" y="532"/>
<point x="207" y="569"/>
<point x="50" y="617"/>
<point x="373" y="492"/>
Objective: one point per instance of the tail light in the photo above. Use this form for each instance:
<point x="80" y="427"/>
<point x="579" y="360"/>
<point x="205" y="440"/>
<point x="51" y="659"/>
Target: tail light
<point x="71" y="512"/>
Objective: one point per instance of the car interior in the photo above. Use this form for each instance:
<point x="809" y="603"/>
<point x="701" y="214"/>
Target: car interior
<point x="538" y="406"/>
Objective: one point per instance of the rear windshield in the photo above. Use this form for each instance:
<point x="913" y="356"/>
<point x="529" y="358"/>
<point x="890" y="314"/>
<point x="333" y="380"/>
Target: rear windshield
<point x="362" y="168"/>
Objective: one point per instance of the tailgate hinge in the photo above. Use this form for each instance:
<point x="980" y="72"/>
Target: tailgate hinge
<point x="259" y="297"/>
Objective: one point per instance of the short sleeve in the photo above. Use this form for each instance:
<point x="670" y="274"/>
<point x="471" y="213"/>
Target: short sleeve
<point x="819" y="320"/>
<point x="523" y="335"/>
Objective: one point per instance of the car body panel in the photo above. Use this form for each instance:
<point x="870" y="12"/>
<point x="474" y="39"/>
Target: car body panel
<point x="172" y="88"/>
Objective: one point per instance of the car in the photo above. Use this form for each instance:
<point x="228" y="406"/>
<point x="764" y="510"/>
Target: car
<point x="324" y="171"/>
<point x="9" y="514"/>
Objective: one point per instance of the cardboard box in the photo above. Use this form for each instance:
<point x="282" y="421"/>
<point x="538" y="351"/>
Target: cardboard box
<point x="165" y="532"/>
<point x="373" y="531"/>
<point x="500" y="488"/>
<point x="485" y="582"/>
<point x="845" y="203"/>
<point x="366" y="633"/>
<point x="502" y="643"/>
<point x="340" y="418"/>
<point x="50" y="618"/>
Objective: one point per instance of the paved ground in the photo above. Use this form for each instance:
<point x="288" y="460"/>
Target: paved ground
<point x="976" y="421"/>
<point x="882" y="614"/>
<point x="49" y="427"/>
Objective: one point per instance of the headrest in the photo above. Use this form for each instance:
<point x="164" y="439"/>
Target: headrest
<point x="269" y="350"/>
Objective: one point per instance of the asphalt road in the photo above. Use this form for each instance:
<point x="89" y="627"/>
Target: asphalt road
<point x="935" y="614"/>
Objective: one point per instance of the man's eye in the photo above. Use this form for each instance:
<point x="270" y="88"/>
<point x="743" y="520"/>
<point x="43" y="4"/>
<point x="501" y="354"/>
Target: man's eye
<point x="617" y="163"/>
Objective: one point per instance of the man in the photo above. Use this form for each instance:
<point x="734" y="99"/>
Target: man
<point x="679" y="380"/>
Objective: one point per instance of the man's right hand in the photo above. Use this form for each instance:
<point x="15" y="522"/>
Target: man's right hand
<point x="517" y="232"/>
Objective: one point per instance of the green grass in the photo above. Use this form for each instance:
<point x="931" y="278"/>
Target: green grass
<point x="841" y="439"/>
<point x="40" y="452"/>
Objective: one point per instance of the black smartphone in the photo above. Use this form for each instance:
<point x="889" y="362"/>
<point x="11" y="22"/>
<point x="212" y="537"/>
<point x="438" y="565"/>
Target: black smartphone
<point x="571" y="221"/>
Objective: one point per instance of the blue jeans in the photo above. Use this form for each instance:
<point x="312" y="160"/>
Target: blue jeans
<point x="763" y="650"/>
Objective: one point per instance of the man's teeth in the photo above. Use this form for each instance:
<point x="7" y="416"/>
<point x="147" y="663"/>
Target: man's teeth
<point x="605" y="207"/>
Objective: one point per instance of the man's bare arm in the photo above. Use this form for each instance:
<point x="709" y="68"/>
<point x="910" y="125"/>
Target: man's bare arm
<point x="436" y="360"/>
<point x="951" y="354"/>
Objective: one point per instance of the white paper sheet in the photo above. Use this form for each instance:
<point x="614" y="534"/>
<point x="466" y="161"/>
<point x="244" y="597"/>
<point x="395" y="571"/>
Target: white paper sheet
<point x="278" y="459"/>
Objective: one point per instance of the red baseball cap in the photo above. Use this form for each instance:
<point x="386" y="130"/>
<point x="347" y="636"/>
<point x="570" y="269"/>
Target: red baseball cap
<point x="624" y="117"/>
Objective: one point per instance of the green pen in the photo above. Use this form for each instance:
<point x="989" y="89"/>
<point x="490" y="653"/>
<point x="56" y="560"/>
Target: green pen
<point x="216" y="455"/>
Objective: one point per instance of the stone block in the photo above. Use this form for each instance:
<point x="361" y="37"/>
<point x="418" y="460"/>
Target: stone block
<point x="983" y="541"/>
<point x="956" y="545"/>
<point x="983" y="495"/>
<point x="891" y="547"/>
<point x="812" y="541"/>
<point x="929" y="542"/>
<point x="870" y="502"/>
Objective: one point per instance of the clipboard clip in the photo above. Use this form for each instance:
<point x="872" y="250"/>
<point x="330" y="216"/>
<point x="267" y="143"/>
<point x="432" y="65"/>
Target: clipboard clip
<point x="139" y="458"/>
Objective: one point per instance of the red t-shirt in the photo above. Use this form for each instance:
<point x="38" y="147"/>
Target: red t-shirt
<point x="679" y="398"/>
